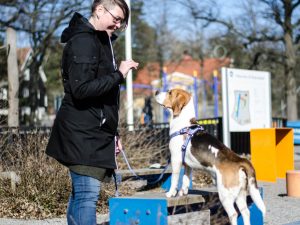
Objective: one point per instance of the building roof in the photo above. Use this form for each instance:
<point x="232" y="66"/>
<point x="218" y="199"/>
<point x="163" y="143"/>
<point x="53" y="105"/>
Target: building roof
<point x="22" y="55"/>
<point x="188" y="66"/>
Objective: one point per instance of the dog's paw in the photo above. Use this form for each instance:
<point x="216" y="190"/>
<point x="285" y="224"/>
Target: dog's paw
<point x="170" y="194"/>
<point x="183" y="192"/>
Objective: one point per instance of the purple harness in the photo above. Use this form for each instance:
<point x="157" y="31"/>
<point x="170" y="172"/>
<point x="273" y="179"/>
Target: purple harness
<point x="190" y="131"/>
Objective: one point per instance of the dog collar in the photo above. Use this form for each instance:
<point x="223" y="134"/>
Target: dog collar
<point x="190" y="131"/>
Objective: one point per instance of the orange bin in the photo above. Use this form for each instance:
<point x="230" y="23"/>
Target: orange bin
<point x="272" y="152"/>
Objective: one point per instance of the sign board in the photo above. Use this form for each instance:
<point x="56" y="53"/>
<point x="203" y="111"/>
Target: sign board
<point x="246" y="96"/>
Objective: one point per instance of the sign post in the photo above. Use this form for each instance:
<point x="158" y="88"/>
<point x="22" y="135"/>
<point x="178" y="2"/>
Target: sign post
<point x="246" y="96"/>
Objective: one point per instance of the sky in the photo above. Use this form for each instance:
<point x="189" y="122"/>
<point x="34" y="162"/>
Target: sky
<point x="178" y="17"/>
<point x="179" y="21"/>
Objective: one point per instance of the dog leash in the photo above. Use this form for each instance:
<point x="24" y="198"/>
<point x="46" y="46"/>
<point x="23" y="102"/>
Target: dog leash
<point x="117" y="181"/>
<point x="141" y="178"/>
<point x="190" y="131"/>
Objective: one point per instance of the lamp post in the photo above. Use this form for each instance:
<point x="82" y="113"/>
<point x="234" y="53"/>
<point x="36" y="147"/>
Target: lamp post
<point x="216" y="96"/>
<point x="195" y="75"/>
<point x="128" y="54"/>
<point x="165" y="88"/>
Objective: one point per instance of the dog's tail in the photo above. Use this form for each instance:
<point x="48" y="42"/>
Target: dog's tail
<point x="253" y="188"/>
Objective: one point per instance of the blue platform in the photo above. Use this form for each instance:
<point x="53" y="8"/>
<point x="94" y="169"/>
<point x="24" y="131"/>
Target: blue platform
<point x="150" y="208"/>
<point x="155" y="208"/>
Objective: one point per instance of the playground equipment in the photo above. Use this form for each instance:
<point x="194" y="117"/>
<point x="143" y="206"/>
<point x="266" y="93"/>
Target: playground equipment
<point x="198" y="207"/>
<point x="272" y="152"/>
<point x="152" y="208"/>
<point x="194" y="87"/>
<point x="191" y="83"/>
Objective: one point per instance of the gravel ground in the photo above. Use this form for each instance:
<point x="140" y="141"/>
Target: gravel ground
<point x="281" y="209"/>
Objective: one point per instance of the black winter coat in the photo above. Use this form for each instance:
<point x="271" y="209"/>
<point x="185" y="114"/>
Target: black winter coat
<point x="86" y="124"/>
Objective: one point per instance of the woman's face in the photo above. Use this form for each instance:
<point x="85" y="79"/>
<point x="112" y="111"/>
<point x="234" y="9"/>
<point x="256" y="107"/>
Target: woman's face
<point x="109" y="20"/>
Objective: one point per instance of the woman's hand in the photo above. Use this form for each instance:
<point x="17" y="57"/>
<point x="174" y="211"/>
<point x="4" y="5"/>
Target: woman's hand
<point x="127" y="65"/>
<point x="119" y="146"/>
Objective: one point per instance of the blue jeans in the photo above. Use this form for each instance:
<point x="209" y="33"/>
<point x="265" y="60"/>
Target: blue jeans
<point x="83" y="200"/>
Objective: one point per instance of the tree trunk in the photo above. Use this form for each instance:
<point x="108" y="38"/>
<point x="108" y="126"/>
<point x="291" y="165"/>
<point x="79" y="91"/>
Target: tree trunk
<point x="290" y="63"/>
<point x="13" y="79"/>
<point x="292" y="110"/>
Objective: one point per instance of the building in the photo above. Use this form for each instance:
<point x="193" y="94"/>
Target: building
<point x="24" y="56"/>
<point x="194" y="75"/>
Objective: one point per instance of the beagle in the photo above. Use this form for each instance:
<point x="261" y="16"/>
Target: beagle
<point x="234" y="176"/>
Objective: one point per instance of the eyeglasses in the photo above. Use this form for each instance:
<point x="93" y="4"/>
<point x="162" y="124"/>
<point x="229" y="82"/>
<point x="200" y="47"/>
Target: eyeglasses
<point x="117" y="19"/>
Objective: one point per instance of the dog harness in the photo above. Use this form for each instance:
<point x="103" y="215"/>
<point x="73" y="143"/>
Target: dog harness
<point x="190" y="131"/>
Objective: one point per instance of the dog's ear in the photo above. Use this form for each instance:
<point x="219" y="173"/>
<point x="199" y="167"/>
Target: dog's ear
<point x="177" y="109"/>
<point x="181" y="100"/>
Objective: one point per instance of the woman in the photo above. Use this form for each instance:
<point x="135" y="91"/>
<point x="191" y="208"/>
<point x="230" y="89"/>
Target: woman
<point x="83" y="136"/>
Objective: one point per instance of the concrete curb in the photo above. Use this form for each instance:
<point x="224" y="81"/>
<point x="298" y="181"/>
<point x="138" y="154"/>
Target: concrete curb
<point x="102" y="219"/>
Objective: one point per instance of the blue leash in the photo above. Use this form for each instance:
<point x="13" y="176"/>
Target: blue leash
<point x="118" y="179"/>
<point x="141" y="178"/>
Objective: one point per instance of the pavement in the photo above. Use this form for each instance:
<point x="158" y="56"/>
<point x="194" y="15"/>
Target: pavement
<point x="101" y="220"/>
<point x="281" y="209"/>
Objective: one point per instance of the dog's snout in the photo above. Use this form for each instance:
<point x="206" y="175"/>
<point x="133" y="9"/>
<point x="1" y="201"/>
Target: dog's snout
<point x="157" y="92"/>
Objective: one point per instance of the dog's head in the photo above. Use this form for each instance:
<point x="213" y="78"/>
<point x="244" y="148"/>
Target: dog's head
<point x="174" y="99"/>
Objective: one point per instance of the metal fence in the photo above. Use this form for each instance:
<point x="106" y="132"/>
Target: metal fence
<point x="240" y="141"/>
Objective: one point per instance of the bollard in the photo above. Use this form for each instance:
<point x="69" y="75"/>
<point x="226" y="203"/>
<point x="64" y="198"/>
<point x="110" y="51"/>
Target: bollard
<point x="293" y="183"/>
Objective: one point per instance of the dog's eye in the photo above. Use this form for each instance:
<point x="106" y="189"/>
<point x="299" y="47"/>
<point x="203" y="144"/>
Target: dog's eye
<point x="169" y="92"/>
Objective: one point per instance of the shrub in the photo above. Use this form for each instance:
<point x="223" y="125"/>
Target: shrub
<point x="44" y="187"/>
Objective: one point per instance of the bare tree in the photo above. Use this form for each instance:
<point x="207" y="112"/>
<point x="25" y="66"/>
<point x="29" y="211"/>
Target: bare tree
<point x="13" y="79"/>
<point x="268" y="22"/>
<point x="40" y="20"/>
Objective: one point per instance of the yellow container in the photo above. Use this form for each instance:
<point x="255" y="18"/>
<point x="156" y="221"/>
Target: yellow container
<point x="272" y="152"/>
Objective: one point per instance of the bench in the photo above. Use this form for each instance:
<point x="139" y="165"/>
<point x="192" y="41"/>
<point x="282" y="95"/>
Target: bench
<point x="156" y="208"/>
<point x="296" y="127"/>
